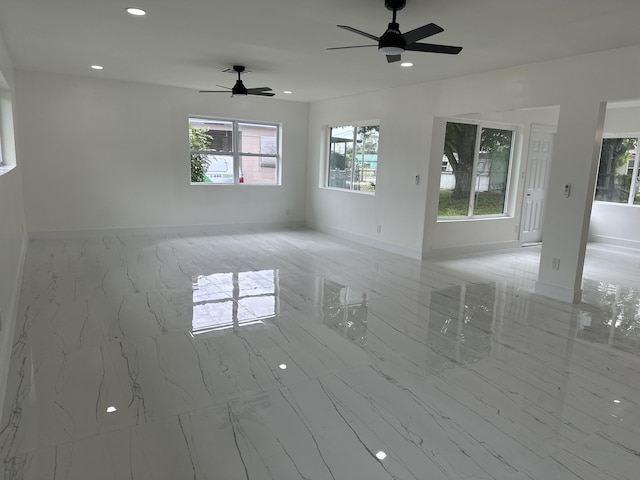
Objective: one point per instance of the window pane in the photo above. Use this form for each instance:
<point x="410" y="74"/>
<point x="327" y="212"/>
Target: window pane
<point x="455" y="180"/>
<point x="341" y="157"/>
<point x="219" y="169"/>
<point x="216" y="135"/>
<point x="492" y="171"/>
<point x="258" y="170"/>
<point x="615" y="171"/>
<point x="366" y="159"/>
<point x="353" y="157"/>
<point x="636" y="193"/>
<point x="256" y="138"/>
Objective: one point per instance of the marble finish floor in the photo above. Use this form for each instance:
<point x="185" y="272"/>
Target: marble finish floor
<point x="294" y="355"/>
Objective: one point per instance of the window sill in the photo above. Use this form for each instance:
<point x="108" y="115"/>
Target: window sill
<point x="359" y="192"/>
<point x="6" y="169"/>
<point x="239" y="185"/>
<point x="473" y="219"/>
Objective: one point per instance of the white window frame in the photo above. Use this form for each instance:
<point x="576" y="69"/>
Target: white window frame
<point x="634" y="177"/>
<point x="327" y="163"/>
<point x="237" y="155"/>
<point x="7" y="134"/>
<point x="480" y="124"/>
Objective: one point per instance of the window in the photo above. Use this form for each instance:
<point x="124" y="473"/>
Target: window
<point x="618" y="177"/>
<point x="353" y="157"/>
<point x="232" y="152"/>
<point x="474" y="177"/>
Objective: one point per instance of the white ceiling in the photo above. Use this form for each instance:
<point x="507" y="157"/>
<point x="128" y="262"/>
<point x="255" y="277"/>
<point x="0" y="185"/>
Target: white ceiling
<point x="187" y="43"/>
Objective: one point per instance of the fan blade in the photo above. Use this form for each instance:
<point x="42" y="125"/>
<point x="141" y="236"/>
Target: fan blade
<point x="421" y="32"/>
<point x="222" y="86"/>
<point x="214" y="91"/>
<point x="258" y="90"/>
<point x="393" y="58"/>
<point x="353" y="46"/>
<point x="360" y="32"/>
<point x="261" y="94"/>
<point x="430" y="47"/>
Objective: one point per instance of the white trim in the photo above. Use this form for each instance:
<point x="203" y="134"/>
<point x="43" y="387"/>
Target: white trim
<point x="6" y="168"/>
<point x="471" y="248"/>
<point x="620" y="242"/>
<point x="209" y="229"/>
<point x="558" y="292"/>
<point x="370" y="242"/>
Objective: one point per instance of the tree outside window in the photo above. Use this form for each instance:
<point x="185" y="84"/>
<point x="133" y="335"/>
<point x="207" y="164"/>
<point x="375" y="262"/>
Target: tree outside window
<point x="476" y="179"/>
<point x="233" y="152"/>
<point x="618" y="180"/>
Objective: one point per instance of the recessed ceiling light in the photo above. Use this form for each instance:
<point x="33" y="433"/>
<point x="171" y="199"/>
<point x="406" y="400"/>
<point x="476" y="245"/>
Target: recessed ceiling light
<point x="288" y="92"/>
<point x="111" y="409"/>
<point x="138" y="12"/>
<point x="381" y="455"/>
<point x="616" y="401"/>
<point x="283" y="366"/>
<point x="97" y="67"/>
<point x="406" y="64"/>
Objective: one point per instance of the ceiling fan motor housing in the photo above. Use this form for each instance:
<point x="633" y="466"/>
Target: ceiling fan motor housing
<point x="395" y="4"/>
<point x="392" y="39"/>
<point x="239" y="89"/>
<point x="391" y="42"/>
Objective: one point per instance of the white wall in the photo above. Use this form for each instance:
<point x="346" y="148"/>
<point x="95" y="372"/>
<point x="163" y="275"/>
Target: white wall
<point x="409" y="146"/>
<point x="12" y="219"/>
<point x="398" y="204"/>
<point x="102" y="154"/>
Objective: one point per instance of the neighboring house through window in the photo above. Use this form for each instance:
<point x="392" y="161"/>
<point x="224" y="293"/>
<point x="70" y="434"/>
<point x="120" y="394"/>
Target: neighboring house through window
<point x="232" y="152"/>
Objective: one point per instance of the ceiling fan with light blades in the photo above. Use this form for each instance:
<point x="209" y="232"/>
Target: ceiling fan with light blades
<point x="239" y="90"/>
<point x="393" y="44"/>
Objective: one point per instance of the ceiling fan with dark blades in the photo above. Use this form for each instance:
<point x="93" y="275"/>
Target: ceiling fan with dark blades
<point x="239" y="89"/>
<point x="393" y="44"/>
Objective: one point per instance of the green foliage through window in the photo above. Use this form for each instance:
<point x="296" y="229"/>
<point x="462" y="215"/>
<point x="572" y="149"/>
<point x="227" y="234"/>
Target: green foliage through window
<point x="198" y="140"/>
<point x="475" y="174"/>
<point x="353" y="158"/>
<point x="617" y="172"/>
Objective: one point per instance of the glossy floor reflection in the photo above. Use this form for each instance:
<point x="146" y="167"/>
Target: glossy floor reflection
<point x="294" y="355"/>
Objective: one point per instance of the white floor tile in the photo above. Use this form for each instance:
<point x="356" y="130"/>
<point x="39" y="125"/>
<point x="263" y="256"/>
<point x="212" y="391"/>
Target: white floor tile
<point x="294" y="355"/>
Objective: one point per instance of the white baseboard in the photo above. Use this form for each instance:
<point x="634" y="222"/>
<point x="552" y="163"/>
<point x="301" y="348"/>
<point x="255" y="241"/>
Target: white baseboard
<point x="9" y="320"/>
<point x="620" y="242"/>
<point x="557" y="292"/>
<point x="165" y="230"/>
<point x="470" y="249"/>
<point x="370" y="242"/>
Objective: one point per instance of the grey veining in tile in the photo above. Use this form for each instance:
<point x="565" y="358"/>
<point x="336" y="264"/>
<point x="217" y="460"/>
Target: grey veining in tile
<point x="294" y="355"/>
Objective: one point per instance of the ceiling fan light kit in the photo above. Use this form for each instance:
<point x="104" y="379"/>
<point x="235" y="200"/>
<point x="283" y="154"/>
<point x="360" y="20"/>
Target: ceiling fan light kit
<point x="393" y="43"/>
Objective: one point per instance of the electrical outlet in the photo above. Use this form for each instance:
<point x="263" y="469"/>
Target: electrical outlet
<point x="555" y="264"/>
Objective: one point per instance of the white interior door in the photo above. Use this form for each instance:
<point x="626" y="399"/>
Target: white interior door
<point x="538" y="163"/>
